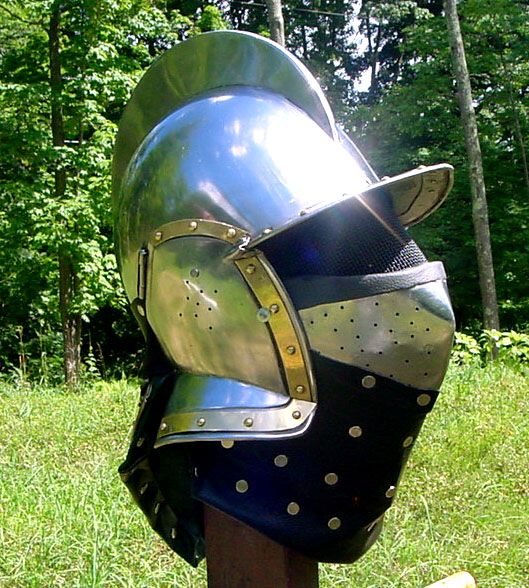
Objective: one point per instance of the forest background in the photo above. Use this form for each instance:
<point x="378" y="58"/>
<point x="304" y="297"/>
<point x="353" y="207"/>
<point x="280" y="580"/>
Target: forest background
<point x="68" y="68"/>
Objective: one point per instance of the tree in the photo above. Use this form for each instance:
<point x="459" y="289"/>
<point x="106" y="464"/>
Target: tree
<point x="275" y="21"/>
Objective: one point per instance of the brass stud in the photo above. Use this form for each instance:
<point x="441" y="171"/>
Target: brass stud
<point x="390" y="492"/>
<point x="248" y="422"/>
<point x="173" y="533"/>
<point x="143" y="489"/>
<point x="280" y="461"/>
<point x="140" y="441"/>
<point x="250" y="268"/>
<point x="291" y="350"/>
<point x="157" y="508"/>
<point x="158" y="235"/>
<point x="193" y="225"/>
<point x="227" y="443"/>
<point x="296" y="414"/>
<point x="163" y="426"/>
<point x="195" y="272"/>
<point x="334" y="523"/>
<point x="407" y="442"/>
<point x="230" y="233"/>
<point x="355" y="431"/>
<point x="368" y="381"/>
<point x="140" y="309"/>
<point x="300" y="389"/>
<point x="424" y="399"/>
<point x="331" y="478"/>
<point x="274" y="308"/>
<point x="201" y="422"/>
<point x="241" y="486"/>
<point x="263" y="315"/>
<point x="293" y="508"/>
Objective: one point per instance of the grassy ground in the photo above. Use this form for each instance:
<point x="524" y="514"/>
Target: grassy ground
<point x="66" y="520"/>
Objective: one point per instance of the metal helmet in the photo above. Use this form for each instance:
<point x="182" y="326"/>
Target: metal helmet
<point x="263" y="255"/>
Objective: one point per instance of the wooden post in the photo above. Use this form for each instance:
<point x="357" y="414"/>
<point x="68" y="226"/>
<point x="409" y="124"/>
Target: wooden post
<point x="239" y="557"/>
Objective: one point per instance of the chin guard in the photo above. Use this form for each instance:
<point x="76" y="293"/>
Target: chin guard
<point x="297" y="335"/>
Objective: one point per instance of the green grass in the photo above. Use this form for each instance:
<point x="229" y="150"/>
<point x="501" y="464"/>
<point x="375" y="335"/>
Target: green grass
<point x="66" y="519"/>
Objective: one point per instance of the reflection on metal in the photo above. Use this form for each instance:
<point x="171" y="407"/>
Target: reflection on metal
<point x="405" y="335"/>
<point x="284" y="326"/>
<point x="222" y="423"/>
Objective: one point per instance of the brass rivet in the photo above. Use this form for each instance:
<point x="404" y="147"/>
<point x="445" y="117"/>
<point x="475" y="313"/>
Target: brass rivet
<point x="267" y="231"/>
<point x="331" y="479"/>
<point x="248" y="422"/>
<point x="390" y="492"/>
<point x="157" y="508"/>
<point x="250" y="269"/>
<point x="141" y="310"/>
<point x="173" y="533"/>
<point x="296" y="414"/>
<point x="407" y="442"/>
<point x="334" y="523"/>
<point x="143" y="489"/>
<point x="158" y="235"/>
<point x="291" y="350"/>
<point x="201" y="422"/>
<point x="355" y="431"/>
<point x="423" y="399"/>
<point x="368" y="381"/>
<point x="241" y="486"/>
<point x="300" y="389"/>
<point x="280" y="461"/>
<point x="227" y="443"/>
<point x="195" y="272"/>
<point x="140" y="441"/>
<point x="231" y="232"/>
<point x="163" y="426"/>
<point x="293" y="508"/>
<point x="193" y="225"/>
<point x="274" y="308"/>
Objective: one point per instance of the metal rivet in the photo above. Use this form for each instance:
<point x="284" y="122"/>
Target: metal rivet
<point x="163" y="426"/>
<point x="355" y="431"/>
<point x="268" y="231"/>
<point x="141" y="310"/>
<point x="280" y="460"/>
<point x="302" y="212"/>
<point x="231" y="232"/>
<point x="227" y="443"/>
<point x="300" y="389"/>
<point x="173" y="533"/>
<point x="334" y="523"/>
<point x="368" y="381"/>
<point x="423" y="399"/>
<point x="143" y="489"/>
<point x="296" y="414"/>
<point x="193" y="225"/>
<point x="248" y="422"/>
<point x="263" y="315"/>
<point x="390" y="492"/>
<point x="158" y="235"/>
<point x="201" y="422"/>
<point x="250" y="269"/>
<point x="157" y="508"/>
<point x="274" y="308"/>
<point x="140" y="441"/>
<point x="195" y="272"/>
<point x="241" y="486"/>
<point x="331" y="479"/>
<point x="195" y="472"/>
<point x="293" y="508"/>
<point x="384" y="178"/>
<point x="407" y="442"/>
<point x="291" y="350"/>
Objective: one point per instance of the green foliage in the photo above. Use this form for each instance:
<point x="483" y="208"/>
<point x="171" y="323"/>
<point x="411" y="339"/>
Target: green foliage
<point x="466" y="350"/>
<point x="508" y="347"/>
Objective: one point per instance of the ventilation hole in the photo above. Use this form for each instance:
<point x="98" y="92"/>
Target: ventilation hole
<point x="411" y="322"/>
<point x="342" y="347"/>
<point x="390" y="331"/>
<point x="187" y="281"/>
<point x="342" y="307"/>
<point x="375" y="324"/>
<point x="180" y="314"/>
<point x="380" y="352"/>
<point x="390" y="375"/>
<point x="196" y="315"/>
<point x="358" y="336"/>
<point x="215" y="291"/>
<point x="417" y="308"/>
<point x="351" y="320"/>
<point x="429" y="353"/>
<point x="412" y="336"/>
<point x="335" y="330"/>
<point x="406" y="361"/>
<point x="326" y="314"/>
<point x="198" y="303"/>
<point x="361" y="351"/>
<point x="187" y="297"/>
<point x="367" y="365"/>
<point x="209" y="308"/>
<point x="376" y="303"/>
<point x="425" y="373"/>
<point x="311" y="322"/>
<point x="427" y="329"/>
<point x="210" y="328"/>
<point x="397" y="314"/>
<point x="395" y="342"/>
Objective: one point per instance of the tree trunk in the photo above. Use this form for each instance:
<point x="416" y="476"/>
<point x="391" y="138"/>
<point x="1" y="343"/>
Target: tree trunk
<point x="480" y="215"/>
<point x="275" y="21"/>
<point x="68" y="281"/>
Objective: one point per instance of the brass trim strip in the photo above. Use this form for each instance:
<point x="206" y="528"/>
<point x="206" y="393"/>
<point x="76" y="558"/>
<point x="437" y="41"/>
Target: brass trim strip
<point x="199" y="227"/>
<point x="278" y="312"/>
<point x="248" y="421"/>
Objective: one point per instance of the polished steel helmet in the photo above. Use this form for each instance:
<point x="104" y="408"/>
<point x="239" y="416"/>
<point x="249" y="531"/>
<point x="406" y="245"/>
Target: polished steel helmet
<point x="226" y="144"/>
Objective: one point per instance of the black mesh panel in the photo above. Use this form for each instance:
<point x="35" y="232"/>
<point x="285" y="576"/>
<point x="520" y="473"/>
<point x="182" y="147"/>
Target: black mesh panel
<point x="356" y="237"/>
